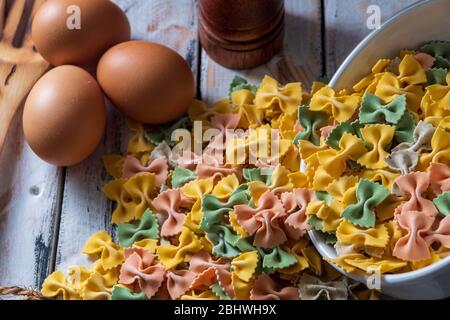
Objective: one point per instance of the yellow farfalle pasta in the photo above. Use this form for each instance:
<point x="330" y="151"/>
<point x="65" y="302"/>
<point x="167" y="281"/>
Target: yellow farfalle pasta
<point x="385" y="177"/>
<point x="357" y="261"/>
<point x="203" y="295"/>
<point x="244" y="266"/>
<point x="411" y="71"/>
<point x="225" y="187"/>
<point x="389" y="87"/>
<point x="385" y="210"/>
<point x="280" y="183"/>
<point x="113" y="165"/>
<point x="138" y="144"/>
<point x="132" y="196"/>
<point x="343" y="192"/>
<point x="307" y="148"/>
<point x="298" y="179"/>
<point x="286" y="125"/>
<point x="95" y="283"/>
<point x="250" y="115"/>
<point x="329" y="217"/>
<point x="96" y="288"/>
<point x="291" y="158"/>
<point x="302" y="262"/>
<point x="147" y="244"/>
<point x="416" y="265"/>
<point x="335" y="161"/>
<point x="236" y="226"/>
<point x="171" y="256"/>
<point x="199" y="111"/>
<point x="195" y="190"/>
<point x="349" y="234"/>
<point x="436" y="101"/>
<point x="377" y="137"/>
<point x="314" y="259"/>
<point x="101" y="245"/>
<point x="241" y="288"/>
<point x="440" y="153"/>
<point x="341" y="108"/>
<point x="56" y="285"/>
<point x="275" y="100"/>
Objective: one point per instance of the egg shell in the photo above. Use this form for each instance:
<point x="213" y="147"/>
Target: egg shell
<point x="64" y="116"/>
<point x="102" y="25"/>
<point x="146" y="81"/>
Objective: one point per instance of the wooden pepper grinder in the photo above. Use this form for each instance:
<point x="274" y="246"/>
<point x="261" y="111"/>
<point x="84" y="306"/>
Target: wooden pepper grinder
<point x="241" y="34"/>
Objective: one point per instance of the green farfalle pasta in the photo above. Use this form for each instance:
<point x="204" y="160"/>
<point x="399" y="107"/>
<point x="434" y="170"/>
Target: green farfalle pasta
<point x="330" y="237"/>
<point x="214" y="210"/>
<point x="148" y="228"/>
<point x="404" y="130"/>
<point x="181" y="176"/>
<point x="239" y="83"/>
<point x="122" y="293"/>
<point x="373" y="110"/>
<point x="219" y="292"/>
<point x="275" y="259"/>
<point x="323" y="196"/>
<point x="442" y="203"/>
<point x="344" y="127"/>
<point x="256" y="174"/>
<point x="441" y="52"/>
<point x="225" y="242"/>
<point x="437" y="76"/>
<point x="369" y="194"/>
<point x="315" y="222"/>
<point x="311" y="122"/>
<point x="163" y="133"/>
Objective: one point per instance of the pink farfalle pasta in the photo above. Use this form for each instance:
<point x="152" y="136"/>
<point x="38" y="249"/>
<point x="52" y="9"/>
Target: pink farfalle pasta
<point x="266" y="289"/>
<point x="439" y="177"/>
<point x="179" y="282"/>
<point x="414" y="186"/>
<point x="139" y="272"/>
<point x="132" y="166"/>
<point x="209" y="271"/>
<point x="441" y="234"/>
<point x="264" y="221"/>
<point x="173" y="204"/>
<point x="295" y="203"/>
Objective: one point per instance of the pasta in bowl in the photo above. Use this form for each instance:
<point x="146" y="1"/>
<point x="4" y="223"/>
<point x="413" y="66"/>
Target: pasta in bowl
<point x="392" y="230"/>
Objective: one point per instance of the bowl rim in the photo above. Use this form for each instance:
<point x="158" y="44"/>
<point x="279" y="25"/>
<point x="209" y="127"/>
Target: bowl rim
<point x="386" y="279"/>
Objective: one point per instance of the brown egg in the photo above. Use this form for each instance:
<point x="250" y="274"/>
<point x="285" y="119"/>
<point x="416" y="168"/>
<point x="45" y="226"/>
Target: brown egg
<point x="148" y="82"/>
<point x="64" y="116"/>
<point x="61" y="40"/>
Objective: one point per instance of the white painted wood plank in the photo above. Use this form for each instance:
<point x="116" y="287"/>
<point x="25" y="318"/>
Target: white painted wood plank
<point x="85" y="209"/>
<point x="346" y="25"/>
<point x="299" y="60"/>
<point x="29" y="205"/>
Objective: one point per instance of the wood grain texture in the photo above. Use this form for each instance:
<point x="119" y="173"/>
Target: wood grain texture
<point x="346" y="25"/>
<point x="29" y="188"/>
<point x="299" y="60"/>
<point x="29" y="205"/>
<point x="85" y="209"/>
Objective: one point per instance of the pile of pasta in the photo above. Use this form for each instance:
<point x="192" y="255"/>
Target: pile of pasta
<point x="375" y="183"/>
<point x="377" y="158"/>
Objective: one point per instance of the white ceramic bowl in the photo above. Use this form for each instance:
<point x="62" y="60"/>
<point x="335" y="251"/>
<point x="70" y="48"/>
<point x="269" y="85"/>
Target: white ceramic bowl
<point x="409" y="29"/>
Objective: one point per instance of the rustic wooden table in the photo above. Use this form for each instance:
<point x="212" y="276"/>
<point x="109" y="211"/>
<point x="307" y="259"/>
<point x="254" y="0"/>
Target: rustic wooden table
<point x="47" y="213"/>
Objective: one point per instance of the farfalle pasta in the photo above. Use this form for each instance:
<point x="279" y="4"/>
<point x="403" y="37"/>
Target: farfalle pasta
<point x="394" y="148"/>
<point x="229" y="218"/>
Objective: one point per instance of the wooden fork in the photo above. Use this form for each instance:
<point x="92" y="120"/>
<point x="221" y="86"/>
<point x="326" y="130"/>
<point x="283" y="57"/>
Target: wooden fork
<point x="21" y="67"/>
